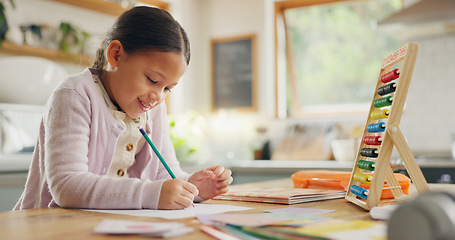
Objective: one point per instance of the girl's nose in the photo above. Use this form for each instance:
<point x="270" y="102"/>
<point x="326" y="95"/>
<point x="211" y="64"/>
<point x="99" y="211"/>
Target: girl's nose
<point x="157" y="95"/>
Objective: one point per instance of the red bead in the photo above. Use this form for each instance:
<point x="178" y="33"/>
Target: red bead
<point x="372" y="140"/>
<point x="394" y="74"/>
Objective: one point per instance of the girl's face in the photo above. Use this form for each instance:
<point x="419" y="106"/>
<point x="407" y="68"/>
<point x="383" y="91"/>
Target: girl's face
<point x="140" y="82"/>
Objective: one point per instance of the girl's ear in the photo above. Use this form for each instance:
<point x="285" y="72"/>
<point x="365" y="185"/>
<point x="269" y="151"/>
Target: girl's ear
<point x="114" y="51"/>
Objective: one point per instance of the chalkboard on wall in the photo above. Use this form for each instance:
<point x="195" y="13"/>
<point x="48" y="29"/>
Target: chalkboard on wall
<point x="234" y="73"/>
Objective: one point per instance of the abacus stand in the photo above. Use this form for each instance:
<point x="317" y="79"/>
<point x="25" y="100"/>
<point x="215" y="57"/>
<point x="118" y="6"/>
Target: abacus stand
<point x="392" y="136"/>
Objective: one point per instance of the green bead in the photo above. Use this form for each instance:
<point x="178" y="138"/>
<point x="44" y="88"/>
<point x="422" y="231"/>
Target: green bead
<point x="366" y="165"/>
<point x="382" y="102"/>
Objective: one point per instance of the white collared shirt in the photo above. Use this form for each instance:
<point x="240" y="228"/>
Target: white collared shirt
<point x="130" y="141"/>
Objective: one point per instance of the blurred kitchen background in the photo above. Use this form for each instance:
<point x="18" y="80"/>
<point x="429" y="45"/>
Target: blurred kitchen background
<point x="291" y="129"/>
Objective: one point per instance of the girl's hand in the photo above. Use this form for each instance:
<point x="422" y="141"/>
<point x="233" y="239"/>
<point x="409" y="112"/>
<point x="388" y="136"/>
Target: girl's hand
<point x="177" y="194"/>
<point x="211" y="181"/>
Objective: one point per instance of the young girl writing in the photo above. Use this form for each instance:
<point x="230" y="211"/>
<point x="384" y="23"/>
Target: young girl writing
<point x="90" y="152"/>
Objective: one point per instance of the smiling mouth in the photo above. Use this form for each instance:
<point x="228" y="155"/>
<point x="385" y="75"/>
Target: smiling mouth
<point x="145" y="106"/>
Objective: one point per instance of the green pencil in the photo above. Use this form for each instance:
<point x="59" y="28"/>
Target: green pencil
<point x="157" y="153"/>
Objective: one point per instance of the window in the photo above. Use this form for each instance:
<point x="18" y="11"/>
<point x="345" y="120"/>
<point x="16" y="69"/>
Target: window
<point x="328" y="55"/>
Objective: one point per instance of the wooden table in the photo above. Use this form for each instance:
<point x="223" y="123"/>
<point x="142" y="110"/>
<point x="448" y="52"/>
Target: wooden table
<point x="58" y="223"/>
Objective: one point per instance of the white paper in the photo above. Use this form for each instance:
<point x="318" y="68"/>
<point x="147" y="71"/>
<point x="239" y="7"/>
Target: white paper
<point x="207" y="219"/>
<point x="382" y="212"/>
<point x="117" y="226"/>
<point x="149" y="229"/>
<point x="176" y="214"/>
<point x="302" y="211"/>
<point x="171" y="234"/>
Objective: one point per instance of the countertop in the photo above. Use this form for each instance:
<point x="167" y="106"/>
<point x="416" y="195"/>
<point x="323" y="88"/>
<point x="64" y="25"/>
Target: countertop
<point x="21" y="162"/>
<point x="11" y="163"/>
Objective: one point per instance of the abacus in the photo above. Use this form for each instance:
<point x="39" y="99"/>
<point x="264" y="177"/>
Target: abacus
<point x="382" y="133"/>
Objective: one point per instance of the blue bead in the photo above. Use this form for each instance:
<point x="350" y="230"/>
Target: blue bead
<point x="376" y="127"/>
<point x="359" y="191"/>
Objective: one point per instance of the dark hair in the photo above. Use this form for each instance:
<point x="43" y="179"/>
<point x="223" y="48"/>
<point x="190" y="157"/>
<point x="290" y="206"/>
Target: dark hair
<point x="142" y="29"/>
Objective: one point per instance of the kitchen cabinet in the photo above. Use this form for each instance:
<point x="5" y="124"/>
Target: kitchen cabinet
<point x="13" y="174"/>
<point x="9" y="196"/>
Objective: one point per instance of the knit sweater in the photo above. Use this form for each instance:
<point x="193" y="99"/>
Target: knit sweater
<point x="75" y="147"/>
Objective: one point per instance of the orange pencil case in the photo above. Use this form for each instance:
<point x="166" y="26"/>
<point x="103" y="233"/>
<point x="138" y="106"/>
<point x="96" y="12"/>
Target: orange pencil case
<point x="329" y="179"/>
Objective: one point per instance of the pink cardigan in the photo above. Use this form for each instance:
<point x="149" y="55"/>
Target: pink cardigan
<point x="75" y="148"/>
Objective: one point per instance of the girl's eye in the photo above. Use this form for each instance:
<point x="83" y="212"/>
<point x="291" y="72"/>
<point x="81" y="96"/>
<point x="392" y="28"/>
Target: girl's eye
<point x="166" y="89"/>
<point x="150" y="80"/>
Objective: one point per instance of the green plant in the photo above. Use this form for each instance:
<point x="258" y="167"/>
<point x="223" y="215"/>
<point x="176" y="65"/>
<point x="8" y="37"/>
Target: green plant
<point x="3" y="21"/>
<point x="71" y="38"/>
<point x="187" y="135"/>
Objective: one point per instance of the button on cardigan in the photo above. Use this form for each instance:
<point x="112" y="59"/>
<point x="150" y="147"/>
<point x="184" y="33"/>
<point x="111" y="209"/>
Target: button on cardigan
<point x="75" y="148"/>
<point x="124" y="157"/>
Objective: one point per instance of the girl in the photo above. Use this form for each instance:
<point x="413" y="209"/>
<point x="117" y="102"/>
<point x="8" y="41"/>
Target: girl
<point x="90" y="152"/>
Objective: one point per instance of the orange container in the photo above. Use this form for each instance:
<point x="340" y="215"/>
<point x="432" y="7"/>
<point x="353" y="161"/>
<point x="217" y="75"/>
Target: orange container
<point x="329" y="179"/>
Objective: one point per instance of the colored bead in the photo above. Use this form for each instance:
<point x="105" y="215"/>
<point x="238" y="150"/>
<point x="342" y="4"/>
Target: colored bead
<point x="379" y="114"/>
<point x="376" y="127"/>
<point x="372" y="140"/>
<point x="366" y="165"/>
<point x="394" y="74"/>
<point x="369" y="152"/>
<point x="389" y="88"/>
<point x="362" y="177"/>
<point x="359" y="191"/>
<point x="382" y="102"/>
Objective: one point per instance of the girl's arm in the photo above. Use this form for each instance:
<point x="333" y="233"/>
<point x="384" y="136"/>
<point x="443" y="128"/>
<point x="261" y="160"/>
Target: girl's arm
<point x="74" y="157"/>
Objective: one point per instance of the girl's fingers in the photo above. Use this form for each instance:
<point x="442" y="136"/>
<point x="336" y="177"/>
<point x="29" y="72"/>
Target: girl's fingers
<point x="225" y="175"/>
<point x="224" y="183"/>
<point x="203" y="174"/>
<point x="186" y="200"/>
<point x="182" y="203"/>
<point x="210" y="174"/>
<point x="218" y="170"/>
<point x="223" y="190"/>
<point x="186" y="197"/>
<point x="191" y="189"/>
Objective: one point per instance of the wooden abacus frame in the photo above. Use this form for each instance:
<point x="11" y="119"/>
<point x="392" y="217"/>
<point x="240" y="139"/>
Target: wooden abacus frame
<point x="392" y="136"/>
